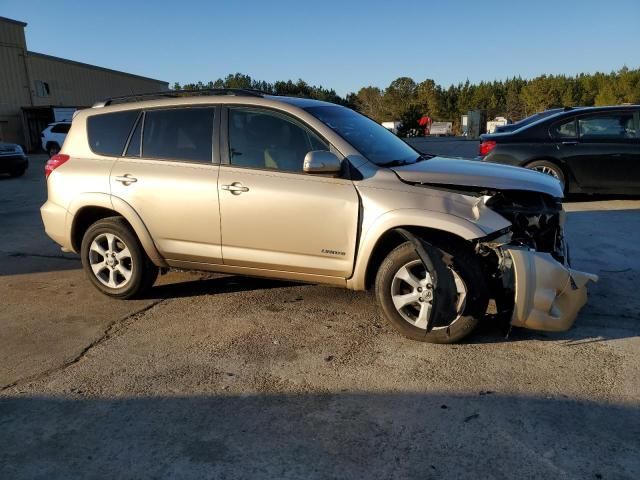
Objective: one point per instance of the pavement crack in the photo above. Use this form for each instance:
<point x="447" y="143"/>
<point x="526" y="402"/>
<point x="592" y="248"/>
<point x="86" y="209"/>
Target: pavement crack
<point x="113" y="327"/>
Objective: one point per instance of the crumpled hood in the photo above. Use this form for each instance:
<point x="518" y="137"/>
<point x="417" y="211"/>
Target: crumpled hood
<point x="473" y="173"/>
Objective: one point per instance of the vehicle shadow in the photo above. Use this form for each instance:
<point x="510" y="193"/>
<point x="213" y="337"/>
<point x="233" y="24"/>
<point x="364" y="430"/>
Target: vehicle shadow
<point x="214" y="284"/>
<point x="317" y="436"/>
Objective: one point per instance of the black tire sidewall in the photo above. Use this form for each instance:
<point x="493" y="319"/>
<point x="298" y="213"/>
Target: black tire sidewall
<point x="476" y="300"/>
<point x="140" y="262"/>
<point x="51" y="148"/>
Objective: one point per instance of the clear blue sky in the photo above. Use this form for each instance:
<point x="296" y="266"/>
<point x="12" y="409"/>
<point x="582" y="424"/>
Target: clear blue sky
<point x="339" y="44"/>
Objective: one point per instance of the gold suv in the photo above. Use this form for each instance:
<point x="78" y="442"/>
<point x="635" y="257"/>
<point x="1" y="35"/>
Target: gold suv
<point x="239" y="182"/>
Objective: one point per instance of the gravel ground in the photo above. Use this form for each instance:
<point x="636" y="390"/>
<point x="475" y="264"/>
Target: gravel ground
<point x="227" y="377"/>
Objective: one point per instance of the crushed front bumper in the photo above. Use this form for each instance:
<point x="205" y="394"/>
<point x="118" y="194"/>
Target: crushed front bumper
<point x="548" y="294"/>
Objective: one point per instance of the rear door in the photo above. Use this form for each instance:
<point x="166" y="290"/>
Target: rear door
<point x="169" y="174"/>
<point x="603" y="155"/>
<point x="273" y="215"/>
<point x="609" y="142"/>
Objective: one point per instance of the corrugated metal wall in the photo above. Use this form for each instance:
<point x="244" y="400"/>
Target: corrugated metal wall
<point x="14" y="84"/>
<point x="70" y="83"/>
<point x="74" y="84"/>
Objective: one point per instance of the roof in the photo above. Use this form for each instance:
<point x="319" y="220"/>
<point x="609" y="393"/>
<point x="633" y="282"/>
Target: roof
<point x="10" y="20"/>
<point x="95" y="67"/>
<point x="302" y="102"/>
<point x="214" y="95"/>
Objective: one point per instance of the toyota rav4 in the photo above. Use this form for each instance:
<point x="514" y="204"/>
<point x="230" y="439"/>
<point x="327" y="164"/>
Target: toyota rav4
<point x="240" y="182"/>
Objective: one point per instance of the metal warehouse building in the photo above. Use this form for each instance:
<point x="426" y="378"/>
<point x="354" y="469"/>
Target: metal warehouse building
<point x="37" y="89"/>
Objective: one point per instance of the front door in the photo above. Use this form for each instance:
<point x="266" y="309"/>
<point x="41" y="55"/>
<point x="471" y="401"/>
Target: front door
<point x="169" y="175"/>
<point x="273" y="215"/>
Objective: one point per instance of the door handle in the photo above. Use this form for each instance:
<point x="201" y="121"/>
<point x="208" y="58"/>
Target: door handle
<point x="572" y="142"/>
<point x="126" y="179"/>
<point x="236" y="188"/>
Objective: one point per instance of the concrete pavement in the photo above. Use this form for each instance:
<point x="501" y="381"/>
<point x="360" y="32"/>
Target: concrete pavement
<point x="226" y="377"/>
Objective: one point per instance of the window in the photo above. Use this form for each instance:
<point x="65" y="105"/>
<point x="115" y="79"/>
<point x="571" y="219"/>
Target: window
<point x="42" y="88"/>
<point x="61" y="128"/>
<point x="260" y="139"/>
<point x="179" y="134"/>
<point x="108" y="132"/>
<point x="133" y="149"/>
<point x="372" y="140"/>
<point x="610" y="125"/>
<point x="565" y="129"/>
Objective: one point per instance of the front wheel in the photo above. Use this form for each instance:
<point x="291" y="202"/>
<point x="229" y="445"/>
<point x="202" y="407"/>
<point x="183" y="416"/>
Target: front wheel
<point x="406" y="293"/>
<point x="114" y="260"/>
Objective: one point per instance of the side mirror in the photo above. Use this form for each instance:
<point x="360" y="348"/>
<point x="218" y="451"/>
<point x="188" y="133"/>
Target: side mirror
<point x="321" y="161"/>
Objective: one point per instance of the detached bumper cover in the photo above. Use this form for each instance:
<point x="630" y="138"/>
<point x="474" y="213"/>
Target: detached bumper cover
<point x="548" y="295"/>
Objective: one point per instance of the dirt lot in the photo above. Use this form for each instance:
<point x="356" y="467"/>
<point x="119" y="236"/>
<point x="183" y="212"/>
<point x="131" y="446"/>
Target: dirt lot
<point x="227" y="377"/>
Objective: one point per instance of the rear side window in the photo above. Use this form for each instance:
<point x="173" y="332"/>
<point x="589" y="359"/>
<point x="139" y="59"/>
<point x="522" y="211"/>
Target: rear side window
<point x="610" y="125"/>
<point x="566" y="129"/>
<point x="109" y="132"/>
<point x="61" y="128"/>
<point x="179" y="134"/>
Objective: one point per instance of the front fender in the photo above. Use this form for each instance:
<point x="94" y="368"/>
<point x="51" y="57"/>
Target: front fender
<point x="410" y="217"/>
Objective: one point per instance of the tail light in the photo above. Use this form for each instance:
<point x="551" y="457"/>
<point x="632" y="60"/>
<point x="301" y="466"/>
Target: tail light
<point x="53" y="163"/>
<point x="486" y="147"/>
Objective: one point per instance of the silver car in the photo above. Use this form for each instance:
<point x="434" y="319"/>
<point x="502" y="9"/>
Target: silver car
<point x="239" y="182"/>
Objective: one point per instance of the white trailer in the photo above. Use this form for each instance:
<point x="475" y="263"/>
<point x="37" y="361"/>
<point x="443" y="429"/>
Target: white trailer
<point x="441" y="129"/>
<point x="392" y="126"/>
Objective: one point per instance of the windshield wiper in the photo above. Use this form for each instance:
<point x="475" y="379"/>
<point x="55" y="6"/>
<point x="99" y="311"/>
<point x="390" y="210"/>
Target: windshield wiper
<point x="399" y="163"/>
<point x="424" y="156"/>
<point x="395" y="163"/>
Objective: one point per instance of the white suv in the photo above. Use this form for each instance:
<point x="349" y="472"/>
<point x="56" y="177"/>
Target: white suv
<point x="53" y="137"/>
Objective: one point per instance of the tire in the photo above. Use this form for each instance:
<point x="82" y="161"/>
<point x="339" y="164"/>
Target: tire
<point x="122" y="268"/>
<point x="18" y="173"/>
<point x="52" y="149"/>
<point x="549" y="168"/>
<point x="464" y="267"/>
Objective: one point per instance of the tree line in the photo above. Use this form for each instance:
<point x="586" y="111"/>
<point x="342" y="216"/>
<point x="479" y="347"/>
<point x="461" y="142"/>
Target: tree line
<point x="407" y="100"/>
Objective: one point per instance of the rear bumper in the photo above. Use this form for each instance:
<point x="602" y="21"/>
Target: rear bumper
<point x="12" y="163"/>
<point x="54" y="218"/>
<point x="548" y="295"/>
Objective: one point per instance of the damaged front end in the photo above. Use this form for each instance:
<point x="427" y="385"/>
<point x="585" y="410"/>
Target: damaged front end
<point x="529" y="262"/>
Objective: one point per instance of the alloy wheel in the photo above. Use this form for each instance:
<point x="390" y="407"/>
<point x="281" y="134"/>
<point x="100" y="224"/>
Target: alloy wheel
<point x="546" y="170"/>
<point x="110" y="260"/>
<point x="412" y="293"/>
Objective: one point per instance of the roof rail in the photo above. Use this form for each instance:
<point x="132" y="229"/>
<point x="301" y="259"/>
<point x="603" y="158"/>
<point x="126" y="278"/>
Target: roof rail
<point x="241" y="92"/>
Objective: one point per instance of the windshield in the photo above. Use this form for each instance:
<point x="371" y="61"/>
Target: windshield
<point x="372" y="140"/>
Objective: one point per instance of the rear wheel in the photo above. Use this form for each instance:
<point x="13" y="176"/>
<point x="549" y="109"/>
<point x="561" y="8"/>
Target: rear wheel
<point x="53" y="149"/>
<point x="549" y="168"/>
<point x="406" y="294"/>
<point x="114" y="260"/>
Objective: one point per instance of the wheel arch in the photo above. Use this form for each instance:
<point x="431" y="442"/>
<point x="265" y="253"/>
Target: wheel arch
<point x="569" y="179"/>
<point x="89" y="208"/>
<point x="391" y="239"/>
